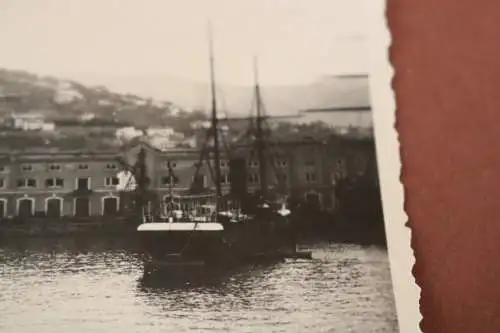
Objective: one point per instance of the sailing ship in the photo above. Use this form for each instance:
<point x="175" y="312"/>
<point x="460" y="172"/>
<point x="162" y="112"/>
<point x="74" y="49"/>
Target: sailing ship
<point x="227" y="229"/>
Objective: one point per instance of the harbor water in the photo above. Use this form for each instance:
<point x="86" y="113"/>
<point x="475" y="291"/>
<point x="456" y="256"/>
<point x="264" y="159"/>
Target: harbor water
<point x="75" y="285"/>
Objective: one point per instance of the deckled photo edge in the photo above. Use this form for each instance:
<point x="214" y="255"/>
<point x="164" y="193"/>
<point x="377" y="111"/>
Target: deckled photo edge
<point x="398" y="235"/>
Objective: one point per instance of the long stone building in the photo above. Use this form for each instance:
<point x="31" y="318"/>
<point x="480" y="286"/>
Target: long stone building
<point x="83" y="183"/>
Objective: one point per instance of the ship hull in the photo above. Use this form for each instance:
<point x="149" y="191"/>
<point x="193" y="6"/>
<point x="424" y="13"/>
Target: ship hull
<point x="234" y="244"/>
<point x="178" y="247"/>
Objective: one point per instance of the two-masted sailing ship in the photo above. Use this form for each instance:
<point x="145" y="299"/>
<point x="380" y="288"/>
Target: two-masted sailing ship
<point x="221" y="229"/>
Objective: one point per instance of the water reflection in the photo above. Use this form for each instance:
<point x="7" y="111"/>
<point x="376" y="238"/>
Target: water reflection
<point x="95" y="285"/>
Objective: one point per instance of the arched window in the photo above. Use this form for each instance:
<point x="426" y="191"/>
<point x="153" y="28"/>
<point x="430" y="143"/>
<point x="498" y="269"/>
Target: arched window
<point x="54" y="207"/>
<point x="110" y="205"/>
<point x="313" y="199"/>
<point x="25" y="207"/>
<point x="82" y="207"/>
<point x="3" y="208"/>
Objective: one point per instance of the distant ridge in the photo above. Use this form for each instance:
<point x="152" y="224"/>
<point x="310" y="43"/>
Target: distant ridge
<point x="21" y="91"/>
<point x="122" y="97"/>
<point x="326" y="92"/>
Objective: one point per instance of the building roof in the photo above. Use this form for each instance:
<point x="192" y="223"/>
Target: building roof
<point x="361" y="108"/>
<point x="71" y="151"/>
<point x="27" y="115"/>
<point x="38" y="141"/>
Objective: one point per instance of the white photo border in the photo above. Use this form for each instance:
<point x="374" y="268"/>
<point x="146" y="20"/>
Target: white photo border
<point x="382" y="96"/>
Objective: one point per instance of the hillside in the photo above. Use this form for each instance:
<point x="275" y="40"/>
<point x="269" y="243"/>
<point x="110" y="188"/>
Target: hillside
<point x="59" y="99"/>
<point x="234" y="100"/>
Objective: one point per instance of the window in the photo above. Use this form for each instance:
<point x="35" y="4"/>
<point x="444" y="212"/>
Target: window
<point x="310" y="177"/>
<point x="83" y="166"/>
<point x="253" y="164"/>
<point x="111" y="181"/>
<point x="54" y="182"/>
<point x="2" y="168"/>
<point x="54" y="167"/>
<point x="2" y="183"/>
<point x="3" y="208"/>
<point x="166" y="180"/>
<point x="281" y="163"/>
<point x="110" y="206"/>
<point x="224" y="179"/>
<point x="83" y="184"/>
<point x="199" y="181"/>
<point x="81" y="207"/>
<point x="165" y="165"/>
<point x="26" y="167"/>
<point x="26" y="183"/>
<point x="111" y="166"/>
<point x="253" y="178"/>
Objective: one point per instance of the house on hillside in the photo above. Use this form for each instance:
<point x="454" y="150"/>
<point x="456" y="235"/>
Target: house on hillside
<point x="200" y="124"/>
<point x="128" y="133"/>
<point x="29" y="121"/>
<point x="66" y="93"/>
<point x="163" y="137"/>
<point x="87" y="116"/>
<point x="160" y="131"/>
<point x="187" y="143"/>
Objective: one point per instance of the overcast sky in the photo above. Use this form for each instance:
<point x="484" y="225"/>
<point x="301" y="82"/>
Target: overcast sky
<point x="296" y="40"/>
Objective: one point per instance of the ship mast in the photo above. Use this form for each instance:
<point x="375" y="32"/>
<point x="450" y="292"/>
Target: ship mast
<point x="214" y="128"/>
<point x="259" y="135"/>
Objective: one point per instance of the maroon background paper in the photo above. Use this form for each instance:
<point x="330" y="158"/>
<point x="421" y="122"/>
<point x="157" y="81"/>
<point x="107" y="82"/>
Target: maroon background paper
<point x="447" y="59"/>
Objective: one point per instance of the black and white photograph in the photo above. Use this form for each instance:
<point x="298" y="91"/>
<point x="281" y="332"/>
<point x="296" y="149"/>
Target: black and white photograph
<point x="190" y="166"/>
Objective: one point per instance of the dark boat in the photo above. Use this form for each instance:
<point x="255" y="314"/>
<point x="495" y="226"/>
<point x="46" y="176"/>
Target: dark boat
<point x="221" y="233"/>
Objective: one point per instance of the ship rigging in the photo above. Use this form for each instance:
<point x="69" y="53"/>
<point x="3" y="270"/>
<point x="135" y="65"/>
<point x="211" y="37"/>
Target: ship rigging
<point x="217" y="237"/>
